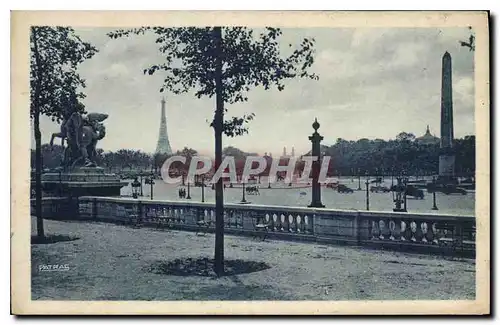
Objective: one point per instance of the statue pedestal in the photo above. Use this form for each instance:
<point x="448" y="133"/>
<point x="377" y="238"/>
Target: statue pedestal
<point x="83" y="181"/>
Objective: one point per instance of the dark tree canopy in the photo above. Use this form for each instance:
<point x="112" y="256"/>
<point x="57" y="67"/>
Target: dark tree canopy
<point x="347" y="157"/>
<point x="55" y="84"/>
<point x="53" y="75"/>
<point x="470" y="43"/>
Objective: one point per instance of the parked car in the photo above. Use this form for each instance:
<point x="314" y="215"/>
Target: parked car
<point x="415" y="192"/>
<point x="332" y="185"/>
<point x="446" y="189"/>
<point x="452" y="190"/>
<point x="376" y="189"/>
<point x="341" y="188"/>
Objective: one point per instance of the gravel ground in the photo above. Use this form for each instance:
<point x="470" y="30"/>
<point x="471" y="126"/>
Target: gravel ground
<point x="110" y="262"/>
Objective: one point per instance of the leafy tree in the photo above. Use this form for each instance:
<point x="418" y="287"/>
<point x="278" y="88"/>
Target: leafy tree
<point x="159" y="159"/>
<point x="465" y="150"/>
<point x="179" y="166"/>
<point x="56" y="53"/>
<point x="187" y="152"/>
<point x="128" y="158"/>
<point x="51" y="156"/>
<point x="470" y="43"/>
<point x="377" y="157"/>
<point x="405" y="137"/>
<point x="225" y="62"/>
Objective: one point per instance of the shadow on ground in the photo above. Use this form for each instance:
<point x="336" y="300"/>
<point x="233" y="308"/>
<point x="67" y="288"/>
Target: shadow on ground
<point x="205" y="267"/>
<point x="51" y="239"/>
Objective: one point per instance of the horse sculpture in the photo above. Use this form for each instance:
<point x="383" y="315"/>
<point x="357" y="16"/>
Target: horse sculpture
<point x="81" y="134"/>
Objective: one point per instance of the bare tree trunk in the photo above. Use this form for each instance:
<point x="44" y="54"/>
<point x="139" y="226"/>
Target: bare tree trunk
<point x="38" y="177"/>
<point x="38" y="144"/>
<point x="218" y="124"/>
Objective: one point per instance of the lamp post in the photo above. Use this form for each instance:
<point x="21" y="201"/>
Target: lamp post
<point x="315" y="139"/>
<point x="202" y="188"/>
<point x="367" y="196"/>
<point x="135" y="188"/>
<point x="188" y="197"/>
<point x="140" y="175"/>
<point x="359" y="179"/>
<point x="399" y="200"/>
<point x="405" y="185"/>
<point x="60" y="182"/>
<point x="434" y="206"/>
<point x="243" y="197"/>
<point x="151" y="183"/>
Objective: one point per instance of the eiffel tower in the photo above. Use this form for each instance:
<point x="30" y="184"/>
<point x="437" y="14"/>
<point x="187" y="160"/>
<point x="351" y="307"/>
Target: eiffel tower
<point x="163" y="145"/>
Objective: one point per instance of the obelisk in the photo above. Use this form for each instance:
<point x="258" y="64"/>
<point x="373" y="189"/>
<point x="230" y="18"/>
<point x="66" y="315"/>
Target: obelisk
<point x="446" y="155"/>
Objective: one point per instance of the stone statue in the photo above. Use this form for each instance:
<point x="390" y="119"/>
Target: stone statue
<point x="81" y="134"/>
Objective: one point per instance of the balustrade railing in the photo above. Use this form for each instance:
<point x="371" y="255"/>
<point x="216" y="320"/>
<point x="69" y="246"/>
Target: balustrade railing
<point x="419" y="230"/>
<point x="413" y="231"/>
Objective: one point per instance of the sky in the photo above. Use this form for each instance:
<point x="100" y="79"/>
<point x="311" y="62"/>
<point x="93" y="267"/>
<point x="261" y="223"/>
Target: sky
<point x="373" y="83"/>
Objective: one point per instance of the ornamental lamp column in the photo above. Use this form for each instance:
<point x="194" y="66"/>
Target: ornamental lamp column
<point x="202" y="188"/>
<point x="434" y="206"/>
<point x="316" y="166"/>
<point x="359" y="179"/>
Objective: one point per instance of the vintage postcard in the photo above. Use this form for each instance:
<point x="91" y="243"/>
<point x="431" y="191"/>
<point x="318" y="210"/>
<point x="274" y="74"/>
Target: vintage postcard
<point x="250" y="163"/>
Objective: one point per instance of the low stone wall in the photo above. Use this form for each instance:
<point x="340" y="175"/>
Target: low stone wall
<point x="55" y="207"/>
<point x="402" y="231"/>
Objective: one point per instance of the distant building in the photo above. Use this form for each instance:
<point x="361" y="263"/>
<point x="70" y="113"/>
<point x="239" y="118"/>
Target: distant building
<point x="427" y="138"/>
<point x="286" y="155"/>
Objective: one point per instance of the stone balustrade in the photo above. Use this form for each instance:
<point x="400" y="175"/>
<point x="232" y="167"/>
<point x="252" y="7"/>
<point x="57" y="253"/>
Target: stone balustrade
<point x="404" y="231"/>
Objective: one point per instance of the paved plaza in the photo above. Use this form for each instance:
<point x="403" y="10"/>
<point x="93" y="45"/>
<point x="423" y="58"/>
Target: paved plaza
<point x="282" y="194"/>
<point x="110" y="262"/>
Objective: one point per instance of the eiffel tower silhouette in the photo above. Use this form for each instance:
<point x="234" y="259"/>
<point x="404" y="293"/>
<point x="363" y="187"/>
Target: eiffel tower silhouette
<point x="163" y="145"/>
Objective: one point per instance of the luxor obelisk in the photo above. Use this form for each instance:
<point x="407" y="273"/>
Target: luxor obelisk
<point x="446" y="155"/>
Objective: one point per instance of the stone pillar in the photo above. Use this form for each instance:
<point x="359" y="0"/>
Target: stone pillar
<point x="316" y="166"/>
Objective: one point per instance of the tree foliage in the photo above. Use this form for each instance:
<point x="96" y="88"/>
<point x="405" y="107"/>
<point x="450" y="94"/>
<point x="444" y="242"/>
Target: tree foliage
<point x="225" y="63"/>
<point x="53" y="75"/>
<point x="347" y="157"/>
<point x="470" y="43"/>
<point x="377" y="157"/>
<point x="248" y="60"/>
<point x="55" y="84"/>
